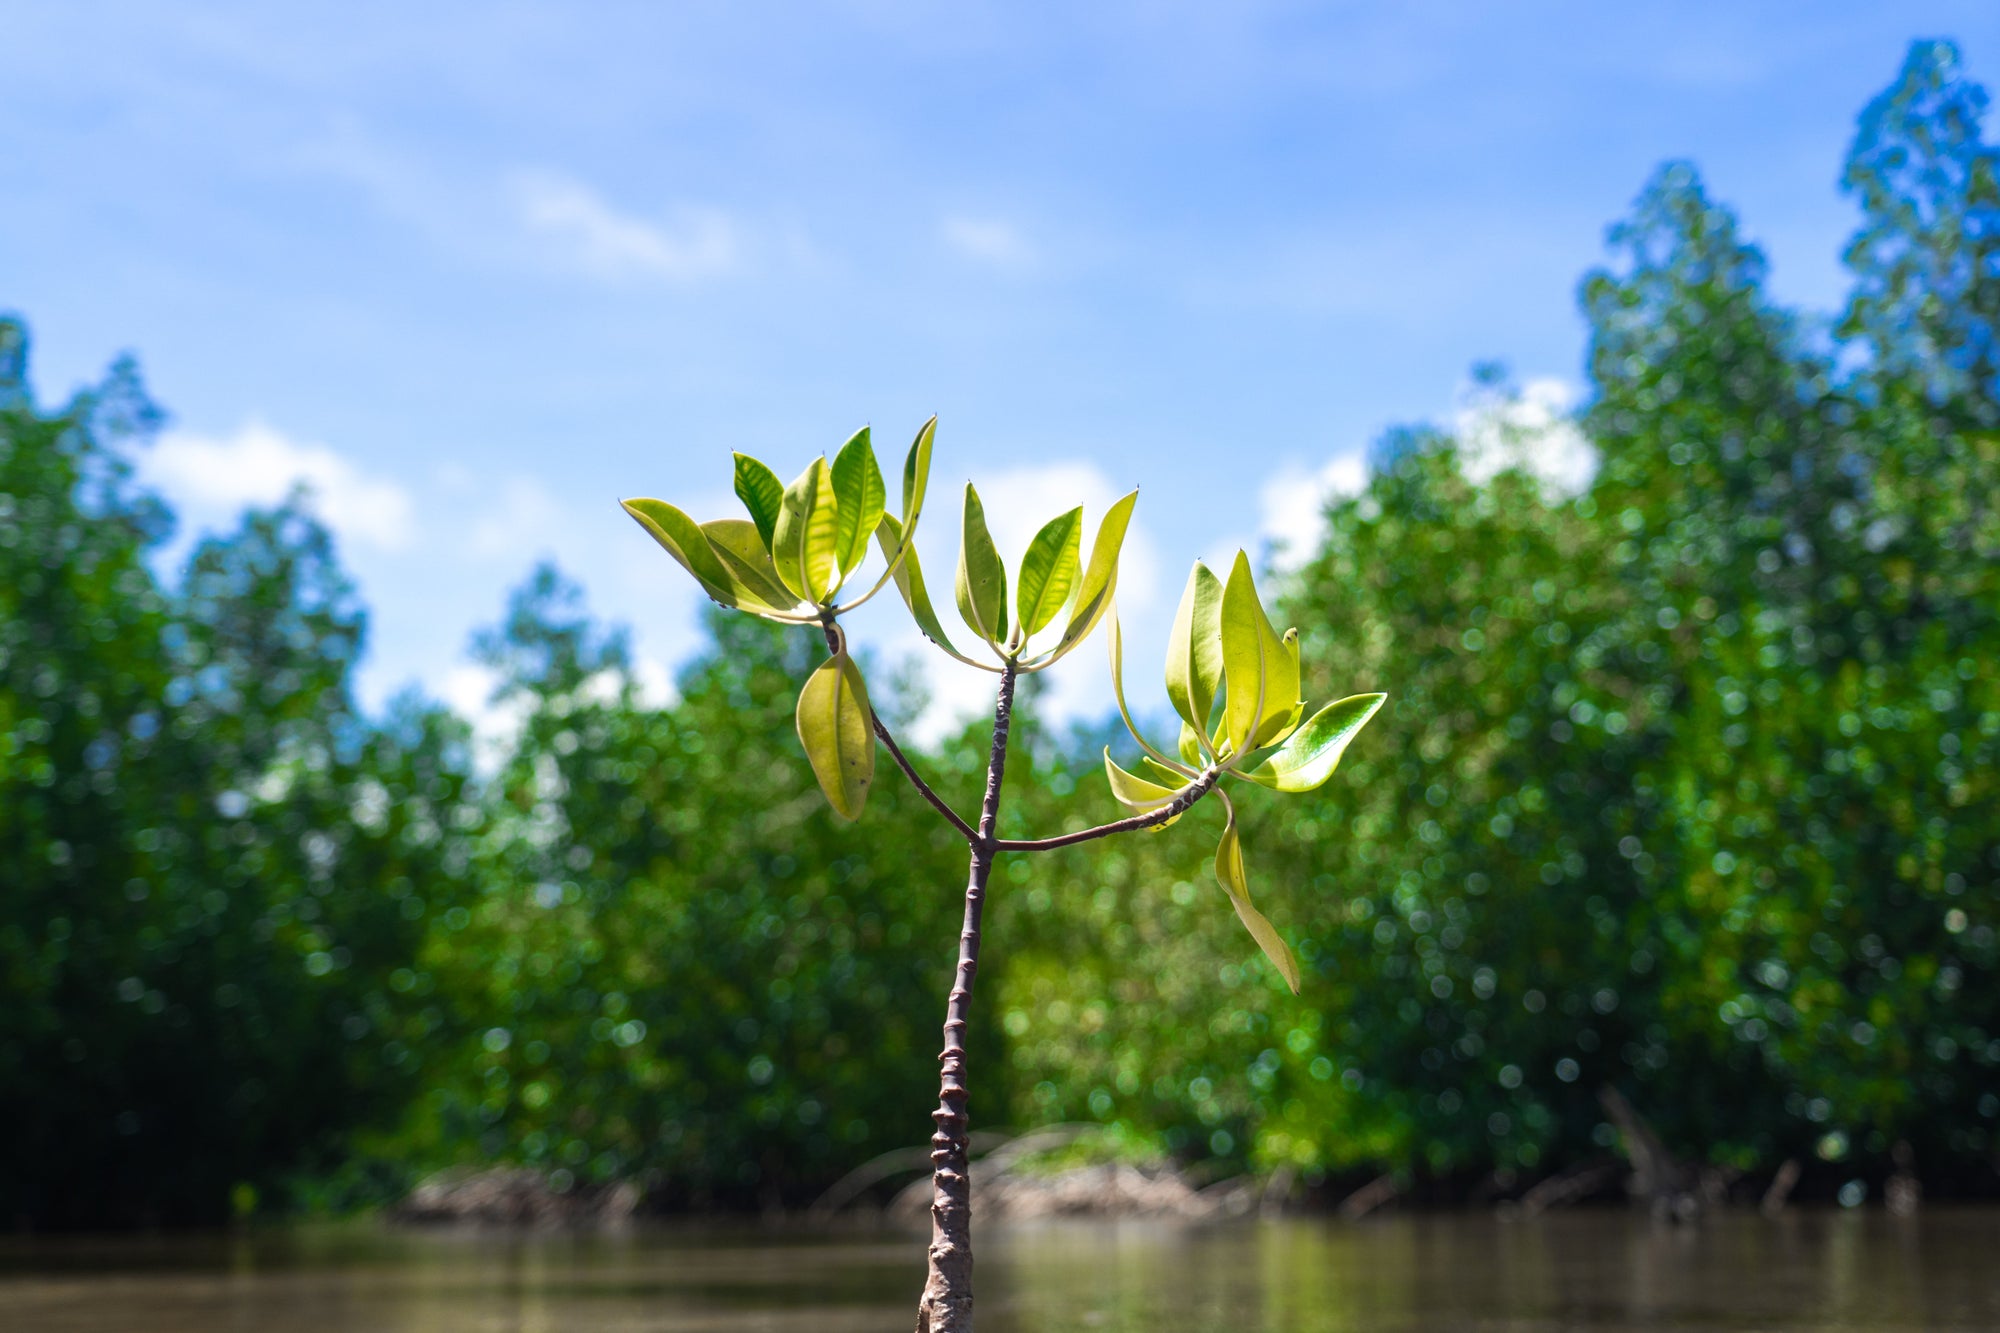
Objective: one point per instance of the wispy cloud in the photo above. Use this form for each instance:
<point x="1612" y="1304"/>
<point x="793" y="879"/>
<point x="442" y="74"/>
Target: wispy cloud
<point x="989" y="240"/>
<point x="584" y="229"/>
<point x="216" y="475"/>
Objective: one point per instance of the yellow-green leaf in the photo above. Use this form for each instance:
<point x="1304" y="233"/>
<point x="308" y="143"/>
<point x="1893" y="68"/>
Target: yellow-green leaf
<point x="1136" y="793"/>
<point x="1309" y="757"/>
<point x="982" y="578"/>
<point x="917" y="473"/>
<point x="802" y="547"/>
<point x="741" y="548"/>
<point x="910" y="582"/>
<point x="684" y="541"/>
<point x="1115" y="637"/>
<point x="762" y="494"/>
<point x="1194" y="650"/>
<point x="1048" y="572"/>
<point x="1229" y="872"/>
<point x="1099" y="584"/>
<point x="857" y="482"/>
<point x="837" y="731"/>
<point x="1245" y="645"/>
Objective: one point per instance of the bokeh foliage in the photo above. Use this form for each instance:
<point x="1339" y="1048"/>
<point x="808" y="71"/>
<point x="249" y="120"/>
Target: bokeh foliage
<point x="1685" y="788"/>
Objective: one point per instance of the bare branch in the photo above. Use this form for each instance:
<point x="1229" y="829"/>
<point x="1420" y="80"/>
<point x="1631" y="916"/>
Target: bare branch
<point x="1199" y="788"/>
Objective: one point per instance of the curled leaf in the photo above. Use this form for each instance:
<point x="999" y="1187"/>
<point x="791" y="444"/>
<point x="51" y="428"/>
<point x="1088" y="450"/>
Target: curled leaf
<point x="1309" y="756"/>
<point x="917" y="473"/>
<point x="1136" y="793"/>
<point x="1115" y="638"/>
<point x="837" y="731"/>
<point x="909" y="574"/>
<point x="1230" y="874"/>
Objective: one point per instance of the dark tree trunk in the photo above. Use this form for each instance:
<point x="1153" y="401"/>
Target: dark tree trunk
<point x="947" y="1301"/>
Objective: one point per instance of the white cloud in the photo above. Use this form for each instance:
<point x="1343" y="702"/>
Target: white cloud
<point x="990" y="240"/>
<point x="587" y="231"/>
<point x="522" y="520"/>
<point x="1293" y="505"/>
<point x="1531" y="430"/>
<point x="259" y="466"/>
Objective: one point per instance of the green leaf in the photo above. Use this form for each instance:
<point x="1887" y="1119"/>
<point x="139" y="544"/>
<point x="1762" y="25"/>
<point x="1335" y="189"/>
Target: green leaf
<point x="1309" y="757"/>
<point x="762" y="494"/>
<point x="837" y="731"/>
<point x="803" y="543"/>
<point x="1194" y="650"/>
<point x="1191" y="747"/>
<point x="1246" y="668"/>
<point x="857" y="482"/>
<point x="1100" y="576"/>
<point x="1136" y="793"/>
<point x="982" y="578"/>
<point x="741" y="549"/>
<point x="1229" y="872"/>
<point x="910" y="583"/>
<point x="1048" y="572"/>
<point x="1261" y="669"/>
<point x="1115" y="636"/>
<point x="685" y="542"/>
<point x="917" y="473"/>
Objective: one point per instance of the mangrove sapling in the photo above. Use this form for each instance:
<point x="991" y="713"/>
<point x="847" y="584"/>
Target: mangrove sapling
<point x="1234" y="681"/>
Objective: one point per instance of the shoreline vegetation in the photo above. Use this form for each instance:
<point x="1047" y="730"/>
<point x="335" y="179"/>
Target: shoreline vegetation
<point x="1686" y="802"/>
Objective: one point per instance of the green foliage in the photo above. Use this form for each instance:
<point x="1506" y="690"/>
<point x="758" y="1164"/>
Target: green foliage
<point x="680" y="967"/>
<point x="1687" y="784"/>
<point x="1224" y="652"/>
<point x="216" y="869"/>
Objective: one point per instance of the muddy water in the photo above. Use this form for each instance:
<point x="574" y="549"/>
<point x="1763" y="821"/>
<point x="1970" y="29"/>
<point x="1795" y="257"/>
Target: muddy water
<point x="1584" y="1272"/>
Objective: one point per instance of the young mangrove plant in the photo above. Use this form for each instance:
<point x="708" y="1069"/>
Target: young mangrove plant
<point x="1232" y="678"/>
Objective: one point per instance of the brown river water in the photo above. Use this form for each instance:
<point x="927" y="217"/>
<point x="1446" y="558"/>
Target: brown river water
<point x="1588" y="1271"/>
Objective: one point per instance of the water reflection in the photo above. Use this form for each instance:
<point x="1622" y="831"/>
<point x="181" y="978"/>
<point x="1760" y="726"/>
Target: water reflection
<point x="1597" y="1271"/>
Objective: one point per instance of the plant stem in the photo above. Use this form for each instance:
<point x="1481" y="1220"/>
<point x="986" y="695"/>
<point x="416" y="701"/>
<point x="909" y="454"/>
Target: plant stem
<point x="947" y="1301"/>
<point x="1199" y="788"/>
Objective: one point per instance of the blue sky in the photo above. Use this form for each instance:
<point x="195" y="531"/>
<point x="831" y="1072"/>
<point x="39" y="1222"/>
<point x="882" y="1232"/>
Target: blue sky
<point x="478" y="270"/>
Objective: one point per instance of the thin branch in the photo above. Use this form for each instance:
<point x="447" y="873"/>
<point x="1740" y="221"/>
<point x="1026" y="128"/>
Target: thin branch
<point x="836" y="642"/>
<point x="1199" y="788"/>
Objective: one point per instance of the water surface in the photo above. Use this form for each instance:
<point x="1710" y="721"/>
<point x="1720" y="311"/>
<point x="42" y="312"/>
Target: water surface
<point x="1582" y="1272"/>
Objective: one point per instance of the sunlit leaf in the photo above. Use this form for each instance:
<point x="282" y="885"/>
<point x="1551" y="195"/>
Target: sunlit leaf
<point x="684" y="541"/>
<point x="1049" y="571"/>
<point x="1099" y="585"/>
<point x="917" y="473"/>
<point x="1190" y="746"/>
<point x="1246" y="643"/>
<point x="742" y="550"/>
<point x="1136" y="793"/>
<point x="1194" y="649"/>
<point x="1308" y="758"/>
<point x="762" y="494"/>
<point x="803" y="545"/>
<point x="857" y="483"/>
<point x="1229" y="872"/>
<point x="837" y="731"/>
<point x="909" y="572"/>
<point x="982" y="578"/>
<point x="1115" y="638"/>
